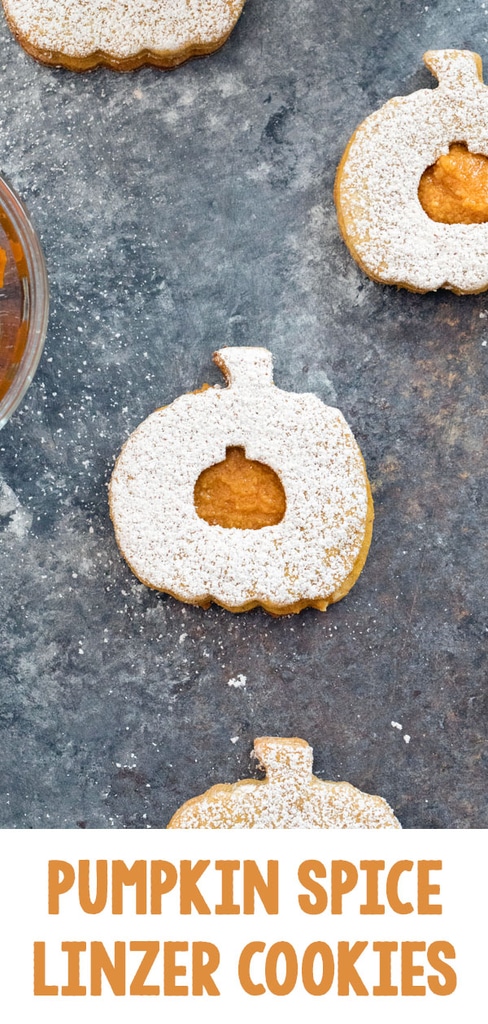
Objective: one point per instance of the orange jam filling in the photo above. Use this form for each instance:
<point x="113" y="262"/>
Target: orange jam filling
<point x="454" y="190"/>
<point x="240" y="493"/>
<point x="13" y="327"/>
<point x="3" y="264"/>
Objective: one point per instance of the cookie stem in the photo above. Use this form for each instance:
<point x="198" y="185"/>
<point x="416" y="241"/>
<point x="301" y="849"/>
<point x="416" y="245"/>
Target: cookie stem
<point x="455" y="69"/>
<point x="280" y="757"/>
<point x="245" y="366"/>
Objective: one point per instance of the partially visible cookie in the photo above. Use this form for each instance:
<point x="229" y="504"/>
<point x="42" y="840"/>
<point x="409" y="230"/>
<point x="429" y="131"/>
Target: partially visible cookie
<point x="431" y="138"/>
<point x="289" y="797"/>
<point x="80" y="34"/>
<point x="245" y="495"/>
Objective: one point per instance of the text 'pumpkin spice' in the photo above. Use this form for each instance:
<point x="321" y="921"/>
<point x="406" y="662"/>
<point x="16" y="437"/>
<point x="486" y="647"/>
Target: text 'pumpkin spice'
<point x="210" y="541"/>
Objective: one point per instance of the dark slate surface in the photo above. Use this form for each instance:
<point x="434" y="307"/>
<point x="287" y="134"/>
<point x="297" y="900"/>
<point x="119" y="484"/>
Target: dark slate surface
<point x="181" y="212"/>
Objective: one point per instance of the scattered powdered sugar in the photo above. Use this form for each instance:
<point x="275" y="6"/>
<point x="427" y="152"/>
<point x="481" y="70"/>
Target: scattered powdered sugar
<point x="307" y="556"/>
<point x="18" y="519"/>
<point x="78" y="28"/>
<point x="396" y="725"/>
<point x="289" y="797"/>
<point x="379" y="211"/>
<point x="239" y="682"/>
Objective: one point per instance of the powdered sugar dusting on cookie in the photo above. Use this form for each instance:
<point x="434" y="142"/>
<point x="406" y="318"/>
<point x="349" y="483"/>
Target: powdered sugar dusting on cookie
<point x="289" y="797"/>
<point x="379" y="211"/>
<point x="78" y="28"/>
<point x="308" y="556"/>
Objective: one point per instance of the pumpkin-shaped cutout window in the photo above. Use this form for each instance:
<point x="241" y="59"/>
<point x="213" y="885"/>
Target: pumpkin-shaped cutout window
<point x="240" y="493"/>
<point x="454" y="190"/>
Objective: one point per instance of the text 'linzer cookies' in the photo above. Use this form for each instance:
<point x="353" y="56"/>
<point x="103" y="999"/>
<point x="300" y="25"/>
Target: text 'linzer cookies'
<point x="284" y="519"/>
<point x="289" y="797"/>
<point x="80" y="34"/>
<point x="411" y="189"/>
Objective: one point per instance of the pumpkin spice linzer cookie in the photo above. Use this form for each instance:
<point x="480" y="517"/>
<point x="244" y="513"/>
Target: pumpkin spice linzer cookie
<point x="412" y="187"/>
<point x="80" y="34"/>
<point x="245" y="495"/>
<point x="289" y="797"/>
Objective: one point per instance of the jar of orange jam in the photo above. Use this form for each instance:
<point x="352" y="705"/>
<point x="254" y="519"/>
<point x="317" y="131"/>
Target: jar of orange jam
<point x="24" y="301"/>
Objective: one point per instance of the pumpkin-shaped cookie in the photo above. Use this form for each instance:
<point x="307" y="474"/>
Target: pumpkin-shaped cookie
<point x="80" y="34"/>
<point x="381" y="216"/>
<point x="289" y="797"/>
<point x="296" y="449"/>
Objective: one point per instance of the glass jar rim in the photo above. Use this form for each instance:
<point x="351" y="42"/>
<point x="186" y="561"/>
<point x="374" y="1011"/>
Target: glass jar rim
<point x="36" y="297"/>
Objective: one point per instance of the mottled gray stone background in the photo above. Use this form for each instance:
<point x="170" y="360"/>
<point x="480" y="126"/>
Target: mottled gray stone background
<point x="180" y="212"/>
